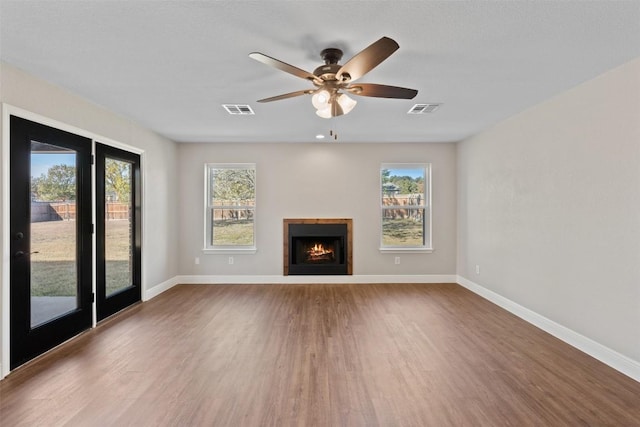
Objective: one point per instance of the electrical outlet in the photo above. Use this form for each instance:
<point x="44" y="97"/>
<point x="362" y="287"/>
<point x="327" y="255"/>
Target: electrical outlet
<point x="196" y="261"/>
<point x="477" y="269"/>
<point x="397" y="260"/>
<point x="230" y="260"/>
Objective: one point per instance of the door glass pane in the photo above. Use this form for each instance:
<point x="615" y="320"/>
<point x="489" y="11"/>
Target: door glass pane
<point x="118" y="226"/>
<point x="54" y="274"/>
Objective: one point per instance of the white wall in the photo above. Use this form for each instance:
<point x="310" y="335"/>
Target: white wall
<point x="331" y="180"/>
<point x="160" y="235"/>
<point x="549" y="208"/>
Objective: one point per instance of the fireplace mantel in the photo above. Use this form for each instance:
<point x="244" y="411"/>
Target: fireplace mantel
<point x="310" y="223"/>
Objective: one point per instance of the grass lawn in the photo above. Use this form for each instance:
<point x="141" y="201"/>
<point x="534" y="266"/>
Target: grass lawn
<point x="53" y="267"/>
<point x="402" y="232"/>
<point x="233" y="232"/>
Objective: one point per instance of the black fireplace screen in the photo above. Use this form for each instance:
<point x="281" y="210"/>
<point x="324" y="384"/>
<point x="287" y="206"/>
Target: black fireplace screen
<point x="317" y="248"/>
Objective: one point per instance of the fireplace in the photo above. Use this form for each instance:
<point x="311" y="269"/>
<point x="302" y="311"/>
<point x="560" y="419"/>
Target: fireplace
<point x="317" y="246"/>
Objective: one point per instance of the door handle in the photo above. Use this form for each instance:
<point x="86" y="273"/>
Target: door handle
<point x="21" y="253"/>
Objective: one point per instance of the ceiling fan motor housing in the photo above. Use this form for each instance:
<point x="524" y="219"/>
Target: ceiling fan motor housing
<point x="328" y="71"/>
<point x="331" y="55"/>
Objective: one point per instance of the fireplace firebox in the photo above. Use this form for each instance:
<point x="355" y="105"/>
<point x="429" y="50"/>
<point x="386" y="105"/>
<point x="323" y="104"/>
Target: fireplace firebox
<point x="317" y="246"/>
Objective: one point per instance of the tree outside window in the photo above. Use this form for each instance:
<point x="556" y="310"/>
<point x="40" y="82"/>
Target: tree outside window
<point x="57" y="184"/>
<point x="117" y="177"/>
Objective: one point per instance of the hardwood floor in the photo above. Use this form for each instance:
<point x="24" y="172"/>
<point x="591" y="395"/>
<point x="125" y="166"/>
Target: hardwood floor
<point x="317" y="355"/>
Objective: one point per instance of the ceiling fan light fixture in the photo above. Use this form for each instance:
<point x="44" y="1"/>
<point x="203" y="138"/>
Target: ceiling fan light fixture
<point x="336" y="108"/>
<point x="336" y="104"/>
<point x="321" y="99"/>
<point x="346" y="103"/>
<point x="325" y="113"/>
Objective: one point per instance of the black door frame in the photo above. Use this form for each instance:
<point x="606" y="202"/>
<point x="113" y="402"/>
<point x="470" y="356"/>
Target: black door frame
<point x="7" y="344"/>
<point x="27" y="342"/>
<point x="111" y="304"/>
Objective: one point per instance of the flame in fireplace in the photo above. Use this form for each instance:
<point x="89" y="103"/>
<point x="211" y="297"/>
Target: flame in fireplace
<point x="318" y="252"/>
<point x="318" y="249"/>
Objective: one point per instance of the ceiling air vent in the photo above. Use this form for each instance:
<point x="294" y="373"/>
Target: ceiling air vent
<point x="423" y="108"/>
<point x="236" y="109"/>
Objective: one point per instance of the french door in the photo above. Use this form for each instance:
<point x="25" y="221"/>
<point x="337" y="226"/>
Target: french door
<point x="118" y="228"/>
<point x="51" y="238"/>
<point x="51" y="235"/>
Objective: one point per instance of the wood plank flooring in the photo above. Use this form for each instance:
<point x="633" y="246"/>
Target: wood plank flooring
<point x="317" y="355"/>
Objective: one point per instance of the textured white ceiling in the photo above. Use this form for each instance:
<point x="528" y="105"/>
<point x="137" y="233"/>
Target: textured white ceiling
<point x="169" y="65"/>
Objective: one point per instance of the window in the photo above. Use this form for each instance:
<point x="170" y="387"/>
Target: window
<point x="230" y="192"/>
<point x="405" y="207"/>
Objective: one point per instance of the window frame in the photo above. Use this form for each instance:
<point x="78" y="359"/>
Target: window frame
<point x="427" y="246"/>
<point x="208" y="247"/>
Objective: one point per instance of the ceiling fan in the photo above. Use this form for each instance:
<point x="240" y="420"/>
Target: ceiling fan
<point x="332" y="81"/>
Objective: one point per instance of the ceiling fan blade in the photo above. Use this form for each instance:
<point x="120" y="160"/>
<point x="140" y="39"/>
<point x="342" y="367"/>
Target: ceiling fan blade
<point x="367" y="59"/>
<point x="381" y="91"/>
<point x="287" y="95"/>
<point x="283" y="66"/>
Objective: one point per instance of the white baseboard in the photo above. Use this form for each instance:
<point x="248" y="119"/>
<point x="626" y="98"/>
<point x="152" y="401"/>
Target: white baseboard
<point x="159" y="288"/>
<point x="273" y="279"/>
<point x="617" y="361"/>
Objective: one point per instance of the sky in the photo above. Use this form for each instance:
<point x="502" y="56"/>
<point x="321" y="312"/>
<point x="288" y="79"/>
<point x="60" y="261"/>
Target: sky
<point x="412" y="172"/>
<point x="41" y="162"/>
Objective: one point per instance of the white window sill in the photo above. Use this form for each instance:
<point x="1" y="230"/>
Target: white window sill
<point x="406" y="250"/>
<point x="229" y="251"/>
